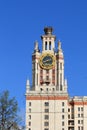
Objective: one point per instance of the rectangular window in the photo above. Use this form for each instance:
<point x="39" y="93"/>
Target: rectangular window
<point x="82" y="128"/>
<point x="46" y="129"/>
<point x="78" y="127"/>
<point x="29" y="109"/>
<point x="62" y="103"/>
<point x="72" y="116"/>
<point x="29" y="116"/>
<point x="46" y="110"/>
<point x="78" y="108"/>
<point x="46" y="123"/>
<point x="81" y="121"/>
<point x="29" y="103"/>
<point x="68" y="110"/>
<point x="29" y="128"/>
<point x="29" y="123"/>
<point x="46" y="117"/>
<point x="63" y="123"/>
<point x="46" y="103"/>
<point x="46" y="45"/>
<point x="78" y="121"/>
<point x="49" y="45"/>
<point x="47" y="77"/>
<point x="78" y="115"/>
<point x="81" y="108"/>
<point x="60" y="66"/>
<point x="81" y="115"/>
<point x="68" y="116"/>
<point x="62" y="116"/>
<point x="63" y="110"/>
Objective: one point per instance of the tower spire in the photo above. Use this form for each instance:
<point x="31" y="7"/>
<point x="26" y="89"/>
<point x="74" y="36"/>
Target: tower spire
<point x="36" y="48"/>
<point x="27" y="86"/>
<point x="59" y="46"/>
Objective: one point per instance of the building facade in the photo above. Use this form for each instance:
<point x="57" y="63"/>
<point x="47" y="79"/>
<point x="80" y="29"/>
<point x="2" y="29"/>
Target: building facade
<point x="48" y="105"/>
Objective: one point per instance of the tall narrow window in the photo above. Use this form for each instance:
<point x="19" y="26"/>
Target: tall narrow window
<point x="60" y="66"/>
<point x="46" y="45"/>
<point x="50" y="45"/>
<point x="60" y="79"/>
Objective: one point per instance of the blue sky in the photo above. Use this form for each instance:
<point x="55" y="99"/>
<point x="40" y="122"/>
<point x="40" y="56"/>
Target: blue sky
<point x="22" y="23"/>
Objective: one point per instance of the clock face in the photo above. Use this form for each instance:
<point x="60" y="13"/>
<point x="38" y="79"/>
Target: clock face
<point x="47" y="61"/>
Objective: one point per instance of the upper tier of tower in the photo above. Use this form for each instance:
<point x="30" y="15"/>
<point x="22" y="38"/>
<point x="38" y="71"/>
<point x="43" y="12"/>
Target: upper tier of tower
<point x="48" y="39"/>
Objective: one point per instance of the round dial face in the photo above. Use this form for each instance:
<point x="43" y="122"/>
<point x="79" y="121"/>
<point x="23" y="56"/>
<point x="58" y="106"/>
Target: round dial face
<point x="47" y="61"/>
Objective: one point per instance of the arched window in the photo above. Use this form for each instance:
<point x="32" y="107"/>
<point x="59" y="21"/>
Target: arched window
<point x="50" y="45"/>
<point x="46" y="45"/>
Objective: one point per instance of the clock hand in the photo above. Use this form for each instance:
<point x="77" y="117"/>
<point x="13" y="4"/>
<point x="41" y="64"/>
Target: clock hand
<point x="46" y="60"/>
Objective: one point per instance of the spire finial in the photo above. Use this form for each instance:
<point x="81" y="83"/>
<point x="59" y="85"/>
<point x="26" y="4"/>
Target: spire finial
<point x="36" y="46"/>
<point x="27" y="86"/>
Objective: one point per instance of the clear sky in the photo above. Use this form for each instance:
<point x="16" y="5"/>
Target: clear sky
<point x="22" y="23"/>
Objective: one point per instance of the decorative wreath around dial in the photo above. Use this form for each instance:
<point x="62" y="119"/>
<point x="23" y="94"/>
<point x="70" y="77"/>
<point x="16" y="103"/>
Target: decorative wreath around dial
<point x="47" y="61"/>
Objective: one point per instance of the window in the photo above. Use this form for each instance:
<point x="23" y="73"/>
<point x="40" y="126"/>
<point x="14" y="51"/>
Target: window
<point x="29" y="128"/>
<point x="46" y="123"/>
<point x="72" y="109"/>
<point x="82" y="128"/>
<point x="62" y="116"/>
<point x="62" y="128"/>
<point x="46" y="116"/>
<point x="46" y="103"/>
<point x="78" y="108"/>
<point x="47" y="77"/>
<point x="53" y="89"/>
<point x="81" y="108"/>
<point x="60" y="66"/>
<point x="61" y="78"/>
<point x="72" y="116"/>
<point x="29" y="103"/>
<point x="62" y="103"/>
<point x="63" y="123"/>
<point x="78" y="115"/>
<point x="81" y="121"/>
<point x="68" y="110"/>
<point x="63" y="110"/>
<point x="46" y="110"/>
<point x="46" y="129"/>
<point x="29" y="123"/>
<point x="78" y="121"/>
<point x="81" y="115"/>
<point x="46" y="89"/>
<point x="68" y="116"/>
<point x="29" y="109"/>
<point x="29" y="116"/>
<point x="49" y="45"/>
<point x="78" y="127"/>
<point x="46" y="45"/>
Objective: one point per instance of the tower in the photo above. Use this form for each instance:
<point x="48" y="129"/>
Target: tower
<point x="48" y="65"/>
<point x="48" y="105"/>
